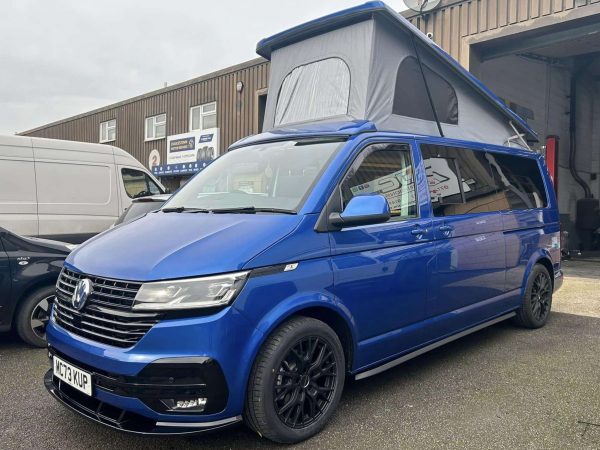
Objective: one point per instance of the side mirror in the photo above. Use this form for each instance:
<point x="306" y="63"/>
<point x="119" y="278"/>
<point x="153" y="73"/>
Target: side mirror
<point x="362" y="210"/>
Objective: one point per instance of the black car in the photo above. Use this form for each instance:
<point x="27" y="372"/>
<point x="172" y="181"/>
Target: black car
<point x="141" y="206"/>
<point x="29" y="268"/>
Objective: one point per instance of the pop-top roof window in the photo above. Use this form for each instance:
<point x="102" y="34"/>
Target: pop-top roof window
<point x="410" y="95"/>
<point x="314" y="91"/>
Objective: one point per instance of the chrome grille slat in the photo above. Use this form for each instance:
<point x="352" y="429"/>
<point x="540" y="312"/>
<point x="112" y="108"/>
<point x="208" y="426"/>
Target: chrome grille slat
<point x="107" y="316"/>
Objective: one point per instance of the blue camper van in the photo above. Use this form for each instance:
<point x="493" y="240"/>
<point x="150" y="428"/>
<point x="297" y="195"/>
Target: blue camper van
<point x="390" y="206"/>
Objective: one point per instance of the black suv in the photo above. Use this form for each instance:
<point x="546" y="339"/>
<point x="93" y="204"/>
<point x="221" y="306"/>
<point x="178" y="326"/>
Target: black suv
<point x="29" y="268"/>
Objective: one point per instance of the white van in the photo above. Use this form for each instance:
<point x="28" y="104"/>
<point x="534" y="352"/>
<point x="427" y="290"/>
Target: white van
<point x="67" y="190"/>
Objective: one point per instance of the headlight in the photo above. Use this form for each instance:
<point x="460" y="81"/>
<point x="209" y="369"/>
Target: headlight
<point x="206" y="292"/>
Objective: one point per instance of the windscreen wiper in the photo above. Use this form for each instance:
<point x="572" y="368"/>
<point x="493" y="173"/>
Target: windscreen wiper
<point x="180" y="209"/>
<point x="251" y="210"/>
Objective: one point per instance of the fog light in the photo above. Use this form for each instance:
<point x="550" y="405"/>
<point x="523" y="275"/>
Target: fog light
<point x="192" y="404"/>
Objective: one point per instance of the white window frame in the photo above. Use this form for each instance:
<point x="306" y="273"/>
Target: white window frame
<point x="202" y="115"/>
<point x="154" y="123"/>
<point x="104" y="137"/>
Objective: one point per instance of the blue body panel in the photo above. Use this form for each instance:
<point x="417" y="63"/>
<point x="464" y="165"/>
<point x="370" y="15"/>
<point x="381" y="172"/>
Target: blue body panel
<point x="393" y="289"/>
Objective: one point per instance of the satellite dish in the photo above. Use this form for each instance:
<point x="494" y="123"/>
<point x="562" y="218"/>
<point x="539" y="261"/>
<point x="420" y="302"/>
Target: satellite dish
<point x="422" y="5"/>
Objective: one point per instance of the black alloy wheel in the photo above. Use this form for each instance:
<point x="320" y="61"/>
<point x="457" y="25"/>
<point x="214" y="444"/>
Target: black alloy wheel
<point x="537" y="299"/>
<point x="305" y="382"/>
<point x="540" y="296"/>
<point x="296" y="381"/>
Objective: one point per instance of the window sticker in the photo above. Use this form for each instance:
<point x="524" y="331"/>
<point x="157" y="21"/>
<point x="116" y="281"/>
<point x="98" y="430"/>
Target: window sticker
<point x="442" y="180"/>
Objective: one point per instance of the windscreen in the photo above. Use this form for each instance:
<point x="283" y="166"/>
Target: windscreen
<point x="276" y="175"/>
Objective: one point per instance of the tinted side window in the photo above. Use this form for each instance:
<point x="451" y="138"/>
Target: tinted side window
<point x="384" y="169"/>
<point x="410" y="95"/>
<point x="138" y="184"/>
<point x="519" y="181"/>
<point x="460" y="181"/>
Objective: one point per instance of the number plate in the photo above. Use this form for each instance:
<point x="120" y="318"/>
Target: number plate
<point x="77" y="378"/>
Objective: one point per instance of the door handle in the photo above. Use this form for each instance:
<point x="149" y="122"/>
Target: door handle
<point x="418" y="231"/>
<point x="446" y="228"/>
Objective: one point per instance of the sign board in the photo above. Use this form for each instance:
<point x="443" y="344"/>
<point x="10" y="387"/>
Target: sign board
<point x="192" y="147"/>
<point x="153" y="159"/>
<point x="171" y="170"/>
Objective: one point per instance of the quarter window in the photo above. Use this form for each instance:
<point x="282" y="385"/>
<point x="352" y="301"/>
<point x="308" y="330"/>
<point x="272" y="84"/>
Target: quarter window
<point x="139" y="184"/>
<point x="203" y="117"/>
<point x="519" y="181"/>
<point x="108" y="131"/>
<point x="384" y="169"/>
<point x="156" y="127"/>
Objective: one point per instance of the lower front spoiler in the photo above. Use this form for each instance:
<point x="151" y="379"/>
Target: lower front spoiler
<point x="122" y="420"/>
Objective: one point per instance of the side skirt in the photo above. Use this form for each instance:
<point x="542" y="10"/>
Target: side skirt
<point x="408" y="356"/>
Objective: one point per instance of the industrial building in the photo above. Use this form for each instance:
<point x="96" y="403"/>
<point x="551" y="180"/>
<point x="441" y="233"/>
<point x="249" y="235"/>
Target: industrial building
<point x="541" y="57"/>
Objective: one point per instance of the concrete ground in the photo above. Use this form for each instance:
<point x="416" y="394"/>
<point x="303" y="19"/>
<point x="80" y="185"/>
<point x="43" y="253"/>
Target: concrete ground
<point x="503" y="387"/>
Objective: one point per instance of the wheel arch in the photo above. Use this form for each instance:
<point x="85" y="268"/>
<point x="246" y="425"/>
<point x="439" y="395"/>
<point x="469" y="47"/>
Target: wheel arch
<point x="327" y="310"/>
<point x="27" y="291"/>
<point x="540" y="257"/>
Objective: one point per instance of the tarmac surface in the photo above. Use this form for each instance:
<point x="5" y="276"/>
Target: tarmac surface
<point x="503" y="387"/>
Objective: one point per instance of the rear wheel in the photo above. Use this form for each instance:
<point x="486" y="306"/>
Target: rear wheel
<point x="537" y="301"/>
<point x="296" y="381"/>
<point x="33" y="316"/>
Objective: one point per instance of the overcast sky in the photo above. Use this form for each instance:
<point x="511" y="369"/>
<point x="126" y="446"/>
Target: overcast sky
<point x="59" y="58"/>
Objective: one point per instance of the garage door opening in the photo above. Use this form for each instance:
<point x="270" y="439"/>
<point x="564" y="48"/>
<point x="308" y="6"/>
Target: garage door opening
<point x="551" y="77"/>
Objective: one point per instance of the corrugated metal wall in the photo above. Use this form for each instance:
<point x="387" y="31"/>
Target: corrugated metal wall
<point x="235" y="112"/>
<point x="455" y="20"/>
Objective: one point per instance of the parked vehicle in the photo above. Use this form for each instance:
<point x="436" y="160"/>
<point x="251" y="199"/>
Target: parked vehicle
<point x="29" y="268"/>
<point x="331" y="245"/>
<point x="141" y="206"/>
<point x="67" y="190"/>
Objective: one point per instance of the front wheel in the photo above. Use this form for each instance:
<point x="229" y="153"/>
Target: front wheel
<point x="33" y="316"/>
<point x="296" y="381"/>
<point x="537" y="299"/>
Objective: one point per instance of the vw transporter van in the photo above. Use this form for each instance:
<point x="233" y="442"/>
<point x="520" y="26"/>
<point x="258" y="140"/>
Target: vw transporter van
<point x="390" y="206"/>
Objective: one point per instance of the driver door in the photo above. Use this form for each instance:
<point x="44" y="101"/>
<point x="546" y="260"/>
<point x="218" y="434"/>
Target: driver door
<point x="381" y="271"/>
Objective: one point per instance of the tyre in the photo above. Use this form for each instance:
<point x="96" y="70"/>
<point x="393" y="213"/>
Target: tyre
<point x="296" y="381"/>
<point x="537" y="300"/>
<point x="33" y="315"/>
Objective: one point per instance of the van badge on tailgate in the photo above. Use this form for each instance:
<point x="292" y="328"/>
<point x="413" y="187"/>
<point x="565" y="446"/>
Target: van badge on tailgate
<point x="81" y="293"/>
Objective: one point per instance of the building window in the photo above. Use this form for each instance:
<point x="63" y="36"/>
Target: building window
<point x="156" y="127"/>
<point x="203" y="117"/>
<point x="108" y="131"/>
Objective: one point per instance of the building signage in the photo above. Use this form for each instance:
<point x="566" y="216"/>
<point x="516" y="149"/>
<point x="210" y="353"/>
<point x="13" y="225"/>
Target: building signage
<point x="193" y="147"/>
<point x="171" y="170"/>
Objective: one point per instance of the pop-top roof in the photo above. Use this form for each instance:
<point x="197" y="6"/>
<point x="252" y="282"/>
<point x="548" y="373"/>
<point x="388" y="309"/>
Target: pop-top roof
<point x="391" y="20"/>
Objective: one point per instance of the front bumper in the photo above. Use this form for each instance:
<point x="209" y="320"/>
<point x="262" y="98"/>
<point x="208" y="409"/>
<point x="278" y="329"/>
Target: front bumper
<point x="99" y="411"/>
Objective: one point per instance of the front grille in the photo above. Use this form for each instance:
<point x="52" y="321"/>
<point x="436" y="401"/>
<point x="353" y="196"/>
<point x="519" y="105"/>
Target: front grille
<point x="107" y="315"/>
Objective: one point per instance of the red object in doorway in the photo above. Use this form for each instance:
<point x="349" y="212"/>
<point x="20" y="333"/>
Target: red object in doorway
<point x="552" y="160"/>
